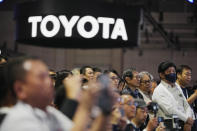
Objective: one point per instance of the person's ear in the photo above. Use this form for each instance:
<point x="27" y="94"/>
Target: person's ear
<point x="136" y="112"/>
<point x="178" y="75"/>
<point x="127" y="79"/>
<point x="19" y="90"/>
<point x="140" y="83"/>
<point x="162" y="76"/>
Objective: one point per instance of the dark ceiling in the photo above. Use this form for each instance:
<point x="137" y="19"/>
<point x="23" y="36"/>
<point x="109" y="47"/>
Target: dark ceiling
<point x="9" y="4"/>
<point x="155" y="5"/>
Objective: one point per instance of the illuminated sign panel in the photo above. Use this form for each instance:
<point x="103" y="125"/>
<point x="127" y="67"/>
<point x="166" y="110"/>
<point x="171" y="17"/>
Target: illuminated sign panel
<point x="88" y="25"/>
<point x="119" y="29"/>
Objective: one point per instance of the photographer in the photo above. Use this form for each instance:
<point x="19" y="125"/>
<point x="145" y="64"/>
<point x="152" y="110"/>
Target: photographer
<point x="138" y="121"/>
<point x="184" y="77"/>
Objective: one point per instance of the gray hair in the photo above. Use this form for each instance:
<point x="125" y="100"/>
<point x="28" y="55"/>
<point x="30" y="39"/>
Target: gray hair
<point x="76" y="71"/>
<point x="141" y="75"/>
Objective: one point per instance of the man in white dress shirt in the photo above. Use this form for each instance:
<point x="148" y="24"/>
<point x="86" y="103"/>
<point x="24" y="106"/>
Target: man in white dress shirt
<point x="170" y="98"/>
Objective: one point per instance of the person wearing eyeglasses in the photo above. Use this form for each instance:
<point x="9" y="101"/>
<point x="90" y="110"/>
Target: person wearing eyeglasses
<point x="114" y="77"/>
<point x="184" y="77"/>
<point x="138" y="122"/>
<point x="145" y="86"/>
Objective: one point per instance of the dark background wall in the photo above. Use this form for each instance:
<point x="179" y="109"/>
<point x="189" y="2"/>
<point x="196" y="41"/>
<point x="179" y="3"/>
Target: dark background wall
<point x="145" y="57"/>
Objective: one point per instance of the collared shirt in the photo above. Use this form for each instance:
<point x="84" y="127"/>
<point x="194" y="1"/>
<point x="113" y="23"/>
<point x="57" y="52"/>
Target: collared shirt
<point x="134" y="127"/>
<point x="171" y="101"/>
<point x="131" y="125"/>
<point x="135" y="94"/>
<point x="24" y="117"/>
<point x="147" y="97"/>
<point x="185" y="92"/>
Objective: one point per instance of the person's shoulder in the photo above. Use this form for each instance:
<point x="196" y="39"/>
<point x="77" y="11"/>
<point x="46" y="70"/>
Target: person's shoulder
<point x="20" y="110"/>
<point x="59" y="115"/>
<point x="129" y="127"/>
<point x="177" y="85"/>
<point x="158" y="92"/>
<point x="19" y="119"/>
<point x="158" y="88"/>
<point x="53" y="111"/>
<point x="63" y="120"/>
<point x="141" y="96"/>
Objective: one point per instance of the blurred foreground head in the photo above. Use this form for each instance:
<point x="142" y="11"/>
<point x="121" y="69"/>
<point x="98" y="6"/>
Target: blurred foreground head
<point x="30" y="81"/>
<point x="129" y="107"/>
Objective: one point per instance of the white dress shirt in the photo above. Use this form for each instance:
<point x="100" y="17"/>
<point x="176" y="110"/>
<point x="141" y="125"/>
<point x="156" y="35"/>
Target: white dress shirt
<point x="171" y="101"/>
<point x="24" y="117"/>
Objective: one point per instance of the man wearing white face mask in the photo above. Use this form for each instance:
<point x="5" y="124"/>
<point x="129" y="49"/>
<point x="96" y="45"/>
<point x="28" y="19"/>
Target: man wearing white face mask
<point x="171" y="100"/>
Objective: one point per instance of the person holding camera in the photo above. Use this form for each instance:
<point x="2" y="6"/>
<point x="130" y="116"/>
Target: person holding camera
<point x="137" y="123"/>
<point x="184" y="77"/>
<point x="135" y="112"/>
<point x="171" y="100"/>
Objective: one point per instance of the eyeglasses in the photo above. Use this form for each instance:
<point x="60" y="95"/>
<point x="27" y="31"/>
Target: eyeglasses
<point x="187" y="74"/>
<point x="130" y="103"/>
<point x="146" y="82"/>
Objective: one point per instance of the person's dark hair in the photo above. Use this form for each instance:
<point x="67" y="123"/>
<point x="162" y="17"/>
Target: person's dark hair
<point x="111" y="70"/>
<point x="53" y="76"/>
<point x="60" y="96"/>
<point x="3" y="87"/>
<point x="180" y="68"/>
<point x="96" y="69"/>
<point x="51" y="70"/>
<point x="83" y="69"/>
<point x="60" y="76"/>
<point x="15" y="70"/>
<point x="115" y="72"/>
<point x="128" y="73"/>
<point x="163" y="66"/>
